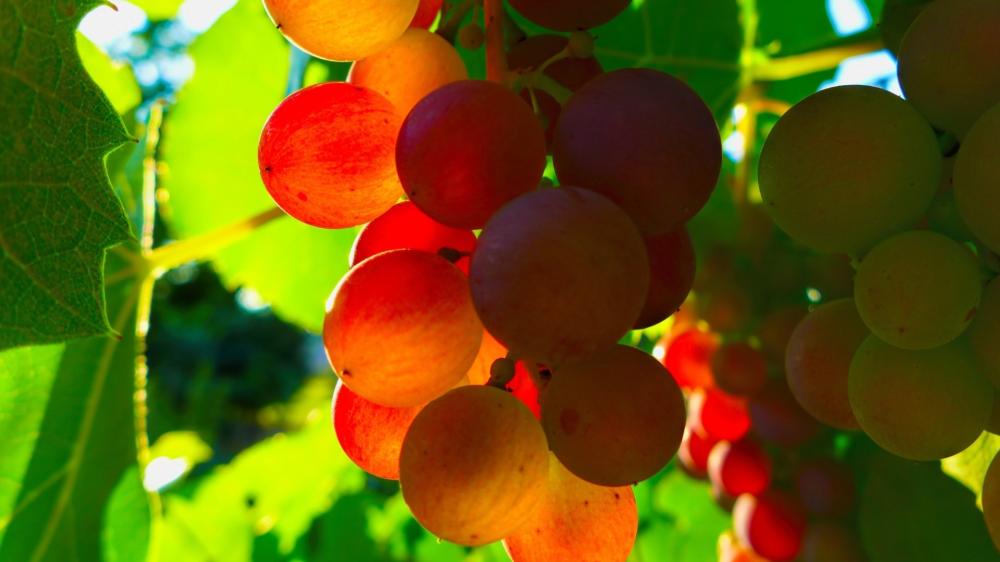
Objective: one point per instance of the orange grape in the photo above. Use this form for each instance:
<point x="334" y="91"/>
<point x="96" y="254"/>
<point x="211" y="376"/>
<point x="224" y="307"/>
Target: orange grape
<point x="341" y="30"/>
<point x="409" y="68"/>
<point x="819" y="358"/>
<point x="578" y="521"/>
<point x="473" y="465"/>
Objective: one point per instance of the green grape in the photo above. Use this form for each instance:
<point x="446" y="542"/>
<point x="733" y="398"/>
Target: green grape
<point x="918" y="289"/>
<point x="977" y="179"/>
<point x="473" y="465"/>
<point x="848" y="166"/>
<point x="948" y="62"/>
<point x="920" y="405"/>
<point x="984" y="333"/>
<point x="819" y="357"/>
<point x="341" y="30"/>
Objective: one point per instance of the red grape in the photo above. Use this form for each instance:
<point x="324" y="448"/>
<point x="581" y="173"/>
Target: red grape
<point x="326" y="155"/>
<point x="614" y="418"/>
<point x="370" y="434"/>
<point x="427" y="12"/>
<point x="716" y="414"/>
<point x="672" y="267"/>
<point x="569" y="15"/>
<point x="739" y="368"/>
<point x="646" y="141"/>
<point x="693" y="453"/>
<point x="405" y="226"/>
<point x="773" y="525"/>
<point x="468" y="148"/>
<point x="559" y="274"/>
<point x="779" y="419"/>
<point x="400" y="328"/>
<point x="740" y="467"/>
<point x="689" y="358"/>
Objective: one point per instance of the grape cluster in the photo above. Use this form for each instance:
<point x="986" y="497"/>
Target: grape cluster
<point x="910" y="190"/>
<point x="484" y="372"/>
<point x="769" y="461"/>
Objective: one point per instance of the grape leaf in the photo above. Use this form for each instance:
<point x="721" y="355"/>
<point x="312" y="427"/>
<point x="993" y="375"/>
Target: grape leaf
<point x="210" y="147"/>
<point x="57" y="211"/>
<point x="159" y="9"/>
<point x="698" y="41"/>
<point x="68" y="437"/>
<point x="116" y="79"/>
<point x="969" y="467"/>
<point x="125" y="537"/>
<point x="279" y="485"/>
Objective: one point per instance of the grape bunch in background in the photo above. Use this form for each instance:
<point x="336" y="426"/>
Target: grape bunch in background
<point x="910" y="190"/>
<point x="484" y="372"/>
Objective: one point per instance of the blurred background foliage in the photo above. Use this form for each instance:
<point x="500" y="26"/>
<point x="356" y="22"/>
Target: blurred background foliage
<point x="242" y="452"/>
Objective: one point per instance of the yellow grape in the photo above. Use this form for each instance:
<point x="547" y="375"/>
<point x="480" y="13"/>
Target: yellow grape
<point x="341" y="30"/>
<point x="977" y="179"/>
<point x="918" y="289"/>
<point x="473" y="466"/>
<point x="614" y="418"/>
<point x="920" y="405"/>
<point x="400" y="328"/>
<point x="578" y="521"/>
<point x="409" y="68"/>
<point x="848" y="166"/>
<point x="948" y="62"/>
<point x="984" y="332"/>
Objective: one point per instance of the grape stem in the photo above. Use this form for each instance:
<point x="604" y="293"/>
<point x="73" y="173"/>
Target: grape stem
<point x="793" y="66"/>
<point x="496" y="58"/>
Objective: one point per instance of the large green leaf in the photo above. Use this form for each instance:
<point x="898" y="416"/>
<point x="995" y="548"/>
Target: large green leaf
<point x="115" y="79"/>
<point x="911" y="512"/>
<point x="159" y="9"/>
<point x="66" y="414"/>
<point x="684" y="522"/>
<point x="210" y="146"/>
<point x="57" y="211"/>
<point x="969" y="467"/>
<point x="698" y="41"/>
<point x="277" y="486"/>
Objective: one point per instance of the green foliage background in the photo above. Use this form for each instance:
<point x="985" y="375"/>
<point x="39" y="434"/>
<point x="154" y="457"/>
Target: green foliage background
<point x="244" y="420"/>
